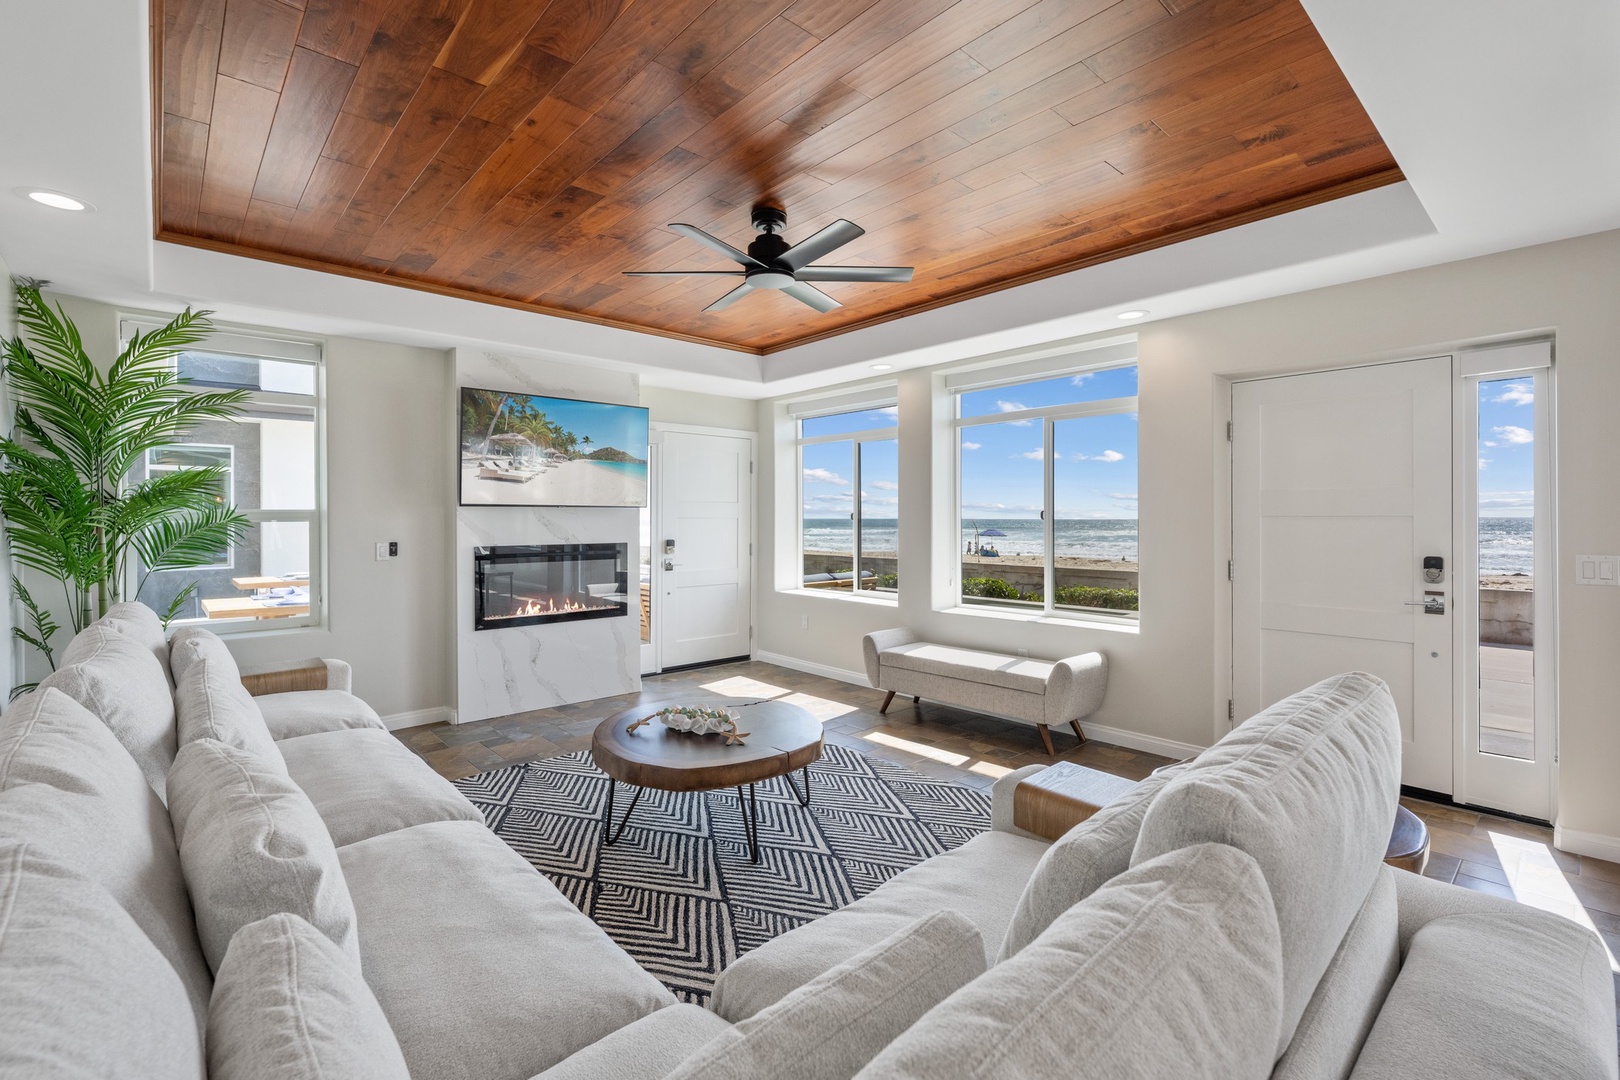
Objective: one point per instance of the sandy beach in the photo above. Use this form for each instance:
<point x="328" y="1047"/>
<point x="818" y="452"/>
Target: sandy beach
<point x="1508" y="582"/>
<point x="566" y="483"/>
<point x="1067" y="561"/>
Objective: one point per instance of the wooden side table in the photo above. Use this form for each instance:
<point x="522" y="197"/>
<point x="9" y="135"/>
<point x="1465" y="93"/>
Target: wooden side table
<point x="1408" y="842"/>
<point x="1062" y="795"/>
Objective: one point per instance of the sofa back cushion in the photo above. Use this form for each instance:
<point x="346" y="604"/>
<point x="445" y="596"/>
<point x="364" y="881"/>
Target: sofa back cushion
<point x="830" y="1027"/>
<point x="1172" y="969"/>
<point x="192" y="642"/>
<point x="289" y="1004"/>
<point x="210" y="702"/>
<point x="252" y="845"/>
<point x="140" y="623"/>
<point x="66" y="784"/>
<point x="1308" y="788"/>
<point x="119" y="680"/>
<point x="1083" y="860"/>
<point x="82" y="991"/>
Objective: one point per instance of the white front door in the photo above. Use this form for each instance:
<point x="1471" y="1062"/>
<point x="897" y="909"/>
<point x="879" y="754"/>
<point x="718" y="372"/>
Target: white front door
<point x="1341" y="488"/>
<point x="703" y="521"/>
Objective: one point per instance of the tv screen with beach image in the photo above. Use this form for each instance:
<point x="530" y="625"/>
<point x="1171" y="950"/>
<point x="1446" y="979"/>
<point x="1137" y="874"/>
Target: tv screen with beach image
<point x="529" y="450"/>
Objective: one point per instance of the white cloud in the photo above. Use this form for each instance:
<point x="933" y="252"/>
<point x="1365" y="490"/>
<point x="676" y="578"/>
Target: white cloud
<point x="971" y="445"/>
<point x="886" y="485"/>
<point x="1512" y="435"/>
<point x="1002" y="507"/>
<point x="1484" y="461"/>
<point x="824" y="476"/>
<point x="1516" y="394"/>
<point x="1128" y="496"/>
<point x="1080" y="379"/>
<point x="1489" y="442"/>
<point x="1013" y="406"/>
<point x="1507" y="500"/>
<point x="1109" y="456"/>
<point x="1036" y="454"/>
<point x="892" y="411"/>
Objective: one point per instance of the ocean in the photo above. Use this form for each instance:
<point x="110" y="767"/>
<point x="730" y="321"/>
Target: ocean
<point x="1097" y="538"/>
<point x="1505" y="544"/>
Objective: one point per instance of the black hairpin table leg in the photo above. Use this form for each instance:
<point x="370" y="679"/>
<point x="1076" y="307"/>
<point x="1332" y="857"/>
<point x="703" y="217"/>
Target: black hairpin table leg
<point x="804" y="798"/>
<point x="750" y="815"/>
<point x="609" y="834"/>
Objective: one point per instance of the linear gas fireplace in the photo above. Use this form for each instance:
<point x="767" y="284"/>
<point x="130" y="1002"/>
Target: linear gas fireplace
<point x="525" y="585"/>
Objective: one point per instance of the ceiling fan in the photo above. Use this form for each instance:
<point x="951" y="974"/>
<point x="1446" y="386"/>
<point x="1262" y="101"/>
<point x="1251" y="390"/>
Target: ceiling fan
<point x="769" y="263"/>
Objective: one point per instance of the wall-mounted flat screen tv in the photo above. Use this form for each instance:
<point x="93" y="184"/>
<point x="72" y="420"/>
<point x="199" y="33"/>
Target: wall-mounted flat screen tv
<point x="527" y="450"/>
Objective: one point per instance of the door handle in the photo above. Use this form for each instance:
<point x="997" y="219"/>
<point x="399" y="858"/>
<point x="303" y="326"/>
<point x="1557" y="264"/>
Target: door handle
<point x="1435" y="605"/>
<point x="669" y="564"/>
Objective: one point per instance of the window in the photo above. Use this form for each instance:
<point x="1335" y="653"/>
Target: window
<point x="1047" y="490"/>
<point x="270" y="578"/>
<point x="849" y="487"/>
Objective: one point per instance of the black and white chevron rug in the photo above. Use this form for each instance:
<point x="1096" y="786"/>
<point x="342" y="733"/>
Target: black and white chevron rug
<point x="678" y="893"/>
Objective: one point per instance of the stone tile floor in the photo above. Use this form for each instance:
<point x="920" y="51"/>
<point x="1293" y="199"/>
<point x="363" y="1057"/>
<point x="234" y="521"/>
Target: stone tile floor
<point x="1474" y="850"/>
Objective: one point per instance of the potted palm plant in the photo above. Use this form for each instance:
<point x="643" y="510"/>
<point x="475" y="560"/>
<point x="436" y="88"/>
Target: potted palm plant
<point x="75" y="512"/>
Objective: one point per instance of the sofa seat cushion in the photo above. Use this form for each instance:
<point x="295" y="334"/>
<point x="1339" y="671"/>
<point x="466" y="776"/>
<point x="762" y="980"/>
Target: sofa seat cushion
<point x="66" y="783"/>
<point x="83" y="993"/>
<point x="1082" y="860"/>
<point x="484" y="969"/>
<point x="645" y="1050"/>
<point x="365" y="782"/>
<point x="982" y="880"/>
<point x="210" y="702"/>
<point x="830" y="1027"/>
<point x="289" y="1005"/>
<point x="119" y="680"/>
<point x="1308" y="788"/>
<point x="1009" y="672"/>
<point x="307" y="712"/>
<point x="1493" y="997"/>
<point x="252" y="845"/>
<point x="1170" y="970"/>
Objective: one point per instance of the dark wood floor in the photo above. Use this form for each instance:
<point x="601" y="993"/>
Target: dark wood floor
<point x="1477" y="851"/>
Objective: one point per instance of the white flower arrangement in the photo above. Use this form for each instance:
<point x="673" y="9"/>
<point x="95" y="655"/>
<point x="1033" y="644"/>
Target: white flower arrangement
<point x="698" y="720"/>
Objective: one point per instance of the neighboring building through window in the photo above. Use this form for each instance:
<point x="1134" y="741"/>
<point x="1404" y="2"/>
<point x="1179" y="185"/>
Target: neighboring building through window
<point x="1047" y="475"/>
<point x="849" y="488"/>
<point x="271" y="578"/>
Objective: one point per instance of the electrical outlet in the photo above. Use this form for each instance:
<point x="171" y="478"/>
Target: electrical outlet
<point x="804" y="622"/>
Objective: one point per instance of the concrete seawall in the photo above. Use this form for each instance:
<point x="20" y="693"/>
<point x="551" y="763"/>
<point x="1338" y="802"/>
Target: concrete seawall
<point x="1507" y="616"/>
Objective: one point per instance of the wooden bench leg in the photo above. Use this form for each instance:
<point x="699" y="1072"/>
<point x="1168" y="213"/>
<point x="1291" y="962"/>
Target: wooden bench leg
<point x="886" y="701"/>
<point x="1077" y="732"/>
<point x="1046" y="738"/>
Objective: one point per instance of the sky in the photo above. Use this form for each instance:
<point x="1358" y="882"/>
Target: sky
<point x="1506" y="447"/>
<point x="1001" y="462"/>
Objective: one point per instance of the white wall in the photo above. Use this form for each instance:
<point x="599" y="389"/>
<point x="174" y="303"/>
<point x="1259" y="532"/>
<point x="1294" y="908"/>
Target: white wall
<point x="1171" y="680"/>
<point x="666" y="406"/>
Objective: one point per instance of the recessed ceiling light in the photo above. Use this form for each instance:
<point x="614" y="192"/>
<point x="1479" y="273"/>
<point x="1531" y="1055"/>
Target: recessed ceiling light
<point x="882" y="367"/>
<point x="1133" y="314"/>
<point x="54" y="199"/>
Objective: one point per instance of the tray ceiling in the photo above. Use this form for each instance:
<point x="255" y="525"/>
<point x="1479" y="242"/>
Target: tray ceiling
<point x="527" y="152"/>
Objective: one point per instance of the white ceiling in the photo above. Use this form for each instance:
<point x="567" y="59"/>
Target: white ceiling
<point x="1501" y="113"/>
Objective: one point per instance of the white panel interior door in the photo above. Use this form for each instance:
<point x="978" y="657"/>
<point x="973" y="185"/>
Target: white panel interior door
<point x="1341" y="485"/>
<point x="706" y="508"/>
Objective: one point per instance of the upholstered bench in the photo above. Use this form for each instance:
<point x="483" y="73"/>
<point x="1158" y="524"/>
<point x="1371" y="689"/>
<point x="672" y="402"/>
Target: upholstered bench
<point x="1039" y="692"/>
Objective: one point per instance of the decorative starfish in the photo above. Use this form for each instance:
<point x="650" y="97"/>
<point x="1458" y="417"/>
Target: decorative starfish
<point x="643" y="722"/>
<point x="735" y="737"/>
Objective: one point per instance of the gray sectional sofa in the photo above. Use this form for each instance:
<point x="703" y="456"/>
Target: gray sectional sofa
<point x="198" y="881"/>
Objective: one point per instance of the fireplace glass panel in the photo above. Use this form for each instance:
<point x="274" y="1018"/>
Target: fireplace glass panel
<point x="528" y="585"/>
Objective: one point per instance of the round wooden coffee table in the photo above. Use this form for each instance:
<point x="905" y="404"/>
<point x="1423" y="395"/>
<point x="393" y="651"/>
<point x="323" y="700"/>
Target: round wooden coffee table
<point x="782" y="739"/>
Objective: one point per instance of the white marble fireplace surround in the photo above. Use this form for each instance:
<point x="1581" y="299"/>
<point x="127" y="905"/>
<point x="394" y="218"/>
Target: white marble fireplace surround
<point x="512" y="670"/>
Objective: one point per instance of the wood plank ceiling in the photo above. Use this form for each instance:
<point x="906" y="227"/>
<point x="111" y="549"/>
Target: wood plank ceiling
<point x="526" y="152"/>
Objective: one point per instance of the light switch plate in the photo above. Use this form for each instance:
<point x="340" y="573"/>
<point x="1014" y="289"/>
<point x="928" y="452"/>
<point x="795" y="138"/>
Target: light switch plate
<point x="382" y="552"/>
<point x="1597" y="570"/>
